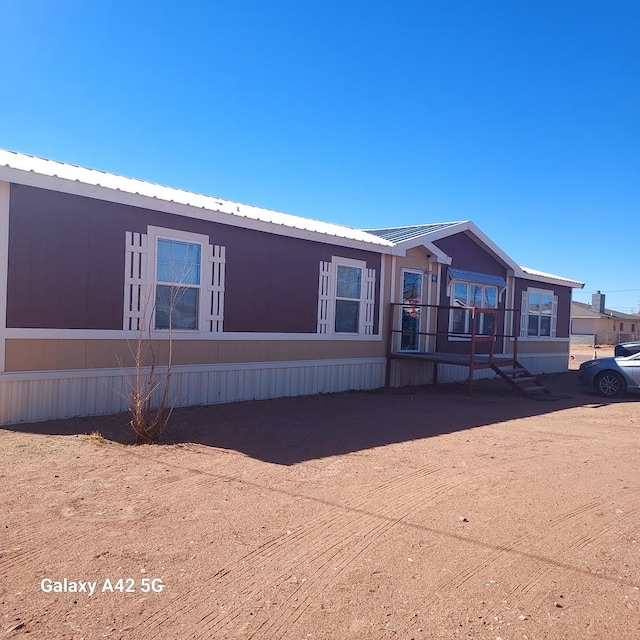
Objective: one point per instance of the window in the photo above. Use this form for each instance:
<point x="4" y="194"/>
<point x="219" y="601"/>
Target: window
<point x="346" y="298"/>
<point x="472" y="294"/>
<point x="178" y="266"/>
<point x="538" y="314"/>
<point x="411" y="311"/>
<point x="173" y="280"/>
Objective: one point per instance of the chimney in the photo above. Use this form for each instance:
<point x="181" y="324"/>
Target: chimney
<point x="597" y="302"/>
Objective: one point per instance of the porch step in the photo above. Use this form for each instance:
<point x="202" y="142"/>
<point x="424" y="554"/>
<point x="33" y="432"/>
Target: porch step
<point x="521" y="380"/>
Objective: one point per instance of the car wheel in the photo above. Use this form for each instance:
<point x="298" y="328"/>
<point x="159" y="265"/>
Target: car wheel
<point x="610" y="384"/>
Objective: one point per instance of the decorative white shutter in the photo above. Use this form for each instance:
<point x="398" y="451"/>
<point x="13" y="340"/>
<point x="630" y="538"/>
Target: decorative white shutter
<point x="325" y="298"/>
<point x="524" y="314"/>
<point x="214" y="316"/>
<point x="135" y="280"/>
<point x="554" y="317"/>
<point x="369" y="301"/>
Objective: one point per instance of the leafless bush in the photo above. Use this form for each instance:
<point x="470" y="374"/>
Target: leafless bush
<point x="148" y="398"/>
<point x="149" y="402"/>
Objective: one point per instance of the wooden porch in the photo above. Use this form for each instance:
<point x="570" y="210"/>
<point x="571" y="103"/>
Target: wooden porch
<point x="479" y="351"/>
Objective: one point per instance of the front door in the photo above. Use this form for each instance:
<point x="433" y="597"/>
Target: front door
<point x="411" y="311"/>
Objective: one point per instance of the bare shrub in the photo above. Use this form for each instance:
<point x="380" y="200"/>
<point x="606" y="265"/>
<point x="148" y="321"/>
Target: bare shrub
<point x="149" y="402"/>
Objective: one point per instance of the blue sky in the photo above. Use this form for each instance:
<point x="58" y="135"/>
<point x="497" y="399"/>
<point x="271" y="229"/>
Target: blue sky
<point x="522" y="116"/>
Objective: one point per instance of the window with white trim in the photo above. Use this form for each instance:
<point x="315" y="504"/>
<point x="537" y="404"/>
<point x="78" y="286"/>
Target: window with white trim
<point x="346" y="297"/>
<point x="472" y="294"/>
<point x="173" y="280"/>
<point x="178" y="266"/>
<point x="411" y="310"/>
<point x="539" y="313"/>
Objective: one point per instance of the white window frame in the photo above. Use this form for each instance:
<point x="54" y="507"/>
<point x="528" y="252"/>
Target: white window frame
<point x="328" y="297"/>
<point x="141" y="280"/>
<point x="188" y="238"/>
<point x="524" y="314"/>
<point x="464" y="335"/>
<point x="405" y="304"/>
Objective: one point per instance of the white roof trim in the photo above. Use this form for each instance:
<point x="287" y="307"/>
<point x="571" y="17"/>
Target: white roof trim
<point x="540" y="276"/>
<point x="58" y="176"/>
<point x="459" y="227"/>
<point x="467" y="225"/>
<point x="402" y="248"/>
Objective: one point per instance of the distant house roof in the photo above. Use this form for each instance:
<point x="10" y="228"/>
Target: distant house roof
<point x="584" y="310"/>
<point x="60" y="176"/>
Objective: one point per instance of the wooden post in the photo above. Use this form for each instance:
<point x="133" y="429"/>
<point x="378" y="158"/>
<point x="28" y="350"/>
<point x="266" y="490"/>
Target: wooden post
<point x="387" y="382"/>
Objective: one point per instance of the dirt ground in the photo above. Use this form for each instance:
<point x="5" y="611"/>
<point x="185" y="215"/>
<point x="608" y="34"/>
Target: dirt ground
<point x="413" y="513"/>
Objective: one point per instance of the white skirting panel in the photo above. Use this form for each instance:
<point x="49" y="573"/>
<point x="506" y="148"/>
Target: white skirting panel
<point x="535" y="363"/>
<point x="44" y="395"/>
<point x="545" y="362"/>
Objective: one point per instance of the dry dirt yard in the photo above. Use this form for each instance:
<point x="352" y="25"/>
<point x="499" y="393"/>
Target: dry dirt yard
<point x="415" y="513"/>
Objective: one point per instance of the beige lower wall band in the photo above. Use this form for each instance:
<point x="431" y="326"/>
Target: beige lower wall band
<point x="49" y="354"/>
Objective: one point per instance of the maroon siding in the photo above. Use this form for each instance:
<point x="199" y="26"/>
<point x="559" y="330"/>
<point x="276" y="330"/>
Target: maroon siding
<point x="66" y="266"/>
<point x="66" y="261"/>
<point x="467" y="254"/>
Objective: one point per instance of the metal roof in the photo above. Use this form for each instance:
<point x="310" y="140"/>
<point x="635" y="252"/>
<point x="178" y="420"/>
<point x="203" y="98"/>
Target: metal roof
<point x="474" y="276"/>
<point x="400" y="234"/>
<point x="22" y="163"/>
<point x="60" y="176"/>
<point x="537" y="275"/>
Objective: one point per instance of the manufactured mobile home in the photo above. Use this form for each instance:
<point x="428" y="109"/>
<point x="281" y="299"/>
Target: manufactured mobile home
<point x="254" y="303"/>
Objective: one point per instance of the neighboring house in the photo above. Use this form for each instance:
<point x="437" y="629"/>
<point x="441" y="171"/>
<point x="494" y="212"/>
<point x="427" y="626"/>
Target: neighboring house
<point x="261" y="304"/>
<point x="596" y="325"/>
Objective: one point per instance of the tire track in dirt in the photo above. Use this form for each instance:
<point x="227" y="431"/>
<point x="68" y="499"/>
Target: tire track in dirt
<point x="507" y="556"/>
<point x="319" y="537"/>
<point x="36" y="551"/>
<point x="274" y="547"/>
<point x="325" y="577"/>
<point x="456" y="581"/>
<point x="324" y="539"/>
<point x="527" y="593"/>
<point x="36" y="545"/>
<point x="32" y="548"/>
<point x="353" y="539"/>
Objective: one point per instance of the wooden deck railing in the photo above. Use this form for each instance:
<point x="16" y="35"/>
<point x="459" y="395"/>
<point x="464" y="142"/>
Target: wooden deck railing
<point x="505" y="324"/>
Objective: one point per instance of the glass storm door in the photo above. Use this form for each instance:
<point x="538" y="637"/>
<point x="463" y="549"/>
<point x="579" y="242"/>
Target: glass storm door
<point x="411" y="312"/>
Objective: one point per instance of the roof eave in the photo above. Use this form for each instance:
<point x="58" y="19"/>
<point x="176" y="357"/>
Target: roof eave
<point x="111" y="194"/>
<point x="548" y="279"/>
<point x="460" y="227"/>
<point x="401" y="249"/>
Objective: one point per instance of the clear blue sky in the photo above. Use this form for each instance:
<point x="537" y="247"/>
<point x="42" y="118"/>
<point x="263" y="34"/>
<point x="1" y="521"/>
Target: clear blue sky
<point x="521" y="115"/>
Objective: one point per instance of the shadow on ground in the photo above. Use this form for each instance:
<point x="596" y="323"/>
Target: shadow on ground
<point x="290" y="430"/>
